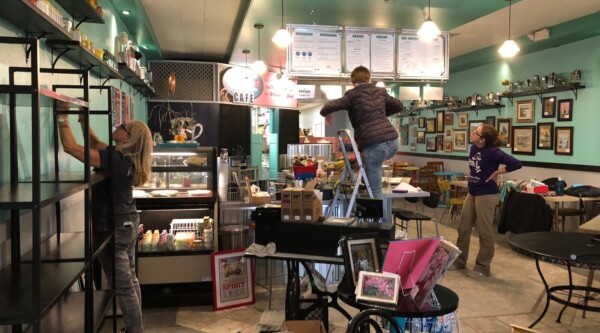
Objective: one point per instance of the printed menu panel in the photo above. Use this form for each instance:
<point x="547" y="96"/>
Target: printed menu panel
<point x="315" y="49"/>
<point x="372" y="48"/>
<point x="422" y="59"/>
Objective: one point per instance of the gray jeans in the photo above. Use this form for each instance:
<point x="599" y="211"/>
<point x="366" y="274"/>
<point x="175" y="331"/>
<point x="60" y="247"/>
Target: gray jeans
<point x="129" y="295"/>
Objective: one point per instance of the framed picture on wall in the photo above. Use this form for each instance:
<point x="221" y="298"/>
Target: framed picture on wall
<point x="421" y="122"/>
<point x="504" y="129"/>
<point x="413" y="145"/>
<point x="473" y="124"/>
<point x="549" y="107"/>
<point x="459" y="139"/>
<point x="545" y="135"/>
<point x="439" y="124"/>
<point x="491" y="120"/>
<point x="430" y="143"/>
<point x="565" y="110"/>
<point x="439" y="142"/>
<point x="448" y="146"/>
<point x="525" y="111"/>
<point x="564" y="141"/>
<point x="421" y="137"/>
<point x="430" y="125"/>
<point x="523" y="140"/>
<point x="448" y="119"/>
<point x="463" y="119"/>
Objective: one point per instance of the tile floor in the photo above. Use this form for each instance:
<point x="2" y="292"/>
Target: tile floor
<point x="512" y="294"/>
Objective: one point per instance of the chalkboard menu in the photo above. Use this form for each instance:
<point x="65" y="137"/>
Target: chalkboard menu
<point x="315" y="50"/>
<point x="318" y="50"/>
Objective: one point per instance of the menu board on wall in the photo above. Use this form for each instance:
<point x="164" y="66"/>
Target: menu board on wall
<point x="420" y="59"/>
<point x="315" y="49"/>
<point x="372" y="48"/>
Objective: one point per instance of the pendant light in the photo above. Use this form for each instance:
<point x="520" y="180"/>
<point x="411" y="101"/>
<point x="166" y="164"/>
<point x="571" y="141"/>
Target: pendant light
<point x="509" y="48"/>
<point x="428" y="29"/>
<point x="259" y="66"/>
<point x="246" y="52"/>
<point x="282" y="37"/>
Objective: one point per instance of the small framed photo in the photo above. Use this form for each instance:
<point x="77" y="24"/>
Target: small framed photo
<point x="382" y="288"/>
<point x="505" y="129"/>
<point x="523" y="140"/>
<point x="448" y="132"/>
<point x="439" y="142"/>
<point x="430" y="143"/>
<point x="525" y="111"/>
<point x="413" y="145"/>
<point x="361" y="253"/>
<point x="463" y="119"/>
<point x="413" y="131"/>
<point x="430" y="125"/>
<point x="549" y="107"/>
<point x="473" y="124"/>
<point x="491" y="120"/>
<point x="564" y="141"/>
<point x="421" y="122"/>
<point x="439" y="124"/>
<point x="459" y="140"/>
<point x="565" y="110"/>
<point x="448" y="119"/>
<point x="545" y="136"/>
<point x="421" y="137"/>
<point x="233" y="279"/>
<point x="448" y="146"/>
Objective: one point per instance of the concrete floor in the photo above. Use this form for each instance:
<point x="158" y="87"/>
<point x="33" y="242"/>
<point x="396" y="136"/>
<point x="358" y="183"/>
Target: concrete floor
<point x="512" y="294"/>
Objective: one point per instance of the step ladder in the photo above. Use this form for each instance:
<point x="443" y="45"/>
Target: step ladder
<point x="348" y="178"/>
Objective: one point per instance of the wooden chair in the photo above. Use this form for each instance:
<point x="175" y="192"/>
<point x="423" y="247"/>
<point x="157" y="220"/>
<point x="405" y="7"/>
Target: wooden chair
<point x="439" y="165"/>
<point x="454" y="203"/>
<point x="427" y="180"/>
<point x="398" y="172"/>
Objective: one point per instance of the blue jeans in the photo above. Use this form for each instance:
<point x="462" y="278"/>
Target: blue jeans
<point x="373" y="157"/>
<point x="128" y="291"/>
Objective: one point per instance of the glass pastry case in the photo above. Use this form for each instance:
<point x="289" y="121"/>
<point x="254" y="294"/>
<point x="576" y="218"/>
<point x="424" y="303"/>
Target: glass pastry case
<point x="181" y="173"/>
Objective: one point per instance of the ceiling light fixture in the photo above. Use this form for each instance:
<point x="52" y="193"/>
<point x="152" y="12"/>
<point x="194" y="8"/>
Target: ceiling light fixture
<point x="509" y="48"/>
<point x="126" y="12"/>
<point x="282" y="37"/>
<point x="428" y="29"/>
<point x="259" y="66"/>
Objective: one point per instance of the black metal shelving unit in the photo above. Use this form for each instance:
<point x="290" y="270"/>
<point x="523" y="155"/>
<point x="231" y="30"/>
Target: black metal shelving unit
<point x="35" y="289"/>
<point x="573" y="87"/>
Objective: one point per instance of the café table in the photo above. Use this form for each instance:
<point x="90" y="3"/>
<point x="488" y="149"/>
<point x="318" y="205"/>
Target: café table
<point x="590" y="227"/>
<point x="573" y="250"/>
<point x="443" y="301"/>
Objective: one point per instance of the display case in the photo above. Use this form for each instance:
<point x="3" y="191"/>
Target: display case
<point x="183" y="188"/>
<point x="182" y="173"/>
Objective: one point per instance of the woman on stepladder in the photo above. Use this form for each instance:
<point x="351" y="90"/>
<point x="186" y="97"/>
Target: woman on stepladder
<point x="368" y="108"/>
<point x="130" y="164"/>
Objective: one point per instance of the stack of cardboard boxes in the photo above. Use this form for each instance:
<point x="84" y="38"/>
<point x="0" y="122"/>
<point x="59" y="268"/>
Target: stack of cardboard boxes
<point x="301" y="204"/>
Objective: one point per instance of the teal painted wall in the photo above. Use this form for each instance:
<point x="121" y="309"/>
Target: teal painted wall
<point x="583" y="55"/>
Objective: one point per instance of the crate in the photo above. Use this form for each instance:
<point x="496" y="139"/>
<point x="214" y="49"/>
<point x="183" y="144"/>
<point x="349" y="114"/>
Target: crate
<point x="188" y="225"/>
<point x="305" y="172"/>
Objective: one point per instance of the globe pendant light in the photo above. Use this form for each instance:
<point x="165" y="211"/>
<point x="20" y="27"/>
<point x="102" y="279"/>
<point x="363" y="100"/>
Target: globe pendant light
<point x="509" y="48"/>
<point x="259" y="66"/>
<point x="282" y="37"/>
<point x="428" y="29"/>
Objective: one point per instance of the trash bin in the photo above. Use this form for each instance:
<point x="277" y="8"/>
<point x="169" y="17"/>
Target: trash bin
<point x="233" y="237"/>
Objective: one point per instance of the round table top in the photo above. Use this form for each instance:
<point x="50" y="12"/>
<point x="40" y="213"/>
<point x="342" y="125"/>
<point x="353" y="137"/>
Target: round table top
<point x="448" y="173"/>
<point x="576" y="249"/>
<point x="448" y="303"/>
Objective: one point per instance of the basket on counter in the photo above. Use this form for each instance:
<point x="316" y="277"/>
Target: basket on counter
<point x="305" y="172"/>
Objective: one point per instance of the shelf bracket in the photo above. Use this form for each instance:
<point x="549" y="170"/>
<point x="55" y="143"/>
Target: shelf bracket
<point x="121" y="85"/>
<point x="541" y="97"/>
<point x="79" y="22"/>
<point x="60" y="54"/>
<point x="105" y="81"/>
<point x="498" y="107"/>
<point x="574" y="90"/>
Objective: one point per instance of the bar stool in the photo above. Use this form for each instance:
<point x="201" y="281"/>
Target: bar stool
<point x="432" y="201"/>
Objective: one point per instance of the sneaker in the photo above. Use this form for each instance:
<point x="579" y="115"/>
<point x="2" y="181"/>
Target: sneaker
<point x="477" y="274"/>
<point x="455" y="267"/>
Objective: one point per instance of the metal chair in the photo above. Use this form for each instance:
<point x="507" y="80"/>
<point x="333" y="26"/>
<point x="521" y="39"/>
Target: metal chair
<point x="566" y="212"/>
<point x="453" y="204"/>
<point x="362" y="321"/>
<point x="432" y="201"/>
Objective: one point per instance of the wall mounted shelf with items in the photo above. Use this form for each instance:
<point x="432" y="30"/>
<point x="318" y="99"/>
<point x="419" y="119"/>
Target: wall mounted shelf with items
<point x="476" y="109"/>
<point x="81" y="11"/>
<point x="540" y="93"/>
<point x="136" y="81"/>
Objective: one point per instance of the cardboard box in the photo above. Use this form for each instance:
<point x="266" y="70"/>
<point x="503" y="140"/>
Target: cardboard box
<point x="296" y="204"/>
<point x="286" y="204"/>
<point x="259" y="200"/>
<point x="312" y="208"/>
<point x="304" y="326"/>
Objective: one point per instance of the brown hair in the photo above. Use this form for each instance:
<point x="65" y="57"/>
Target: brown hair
<point x="491" y="136"/>
<point x="360" y="75"/>
<point x="139" y="148"/>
